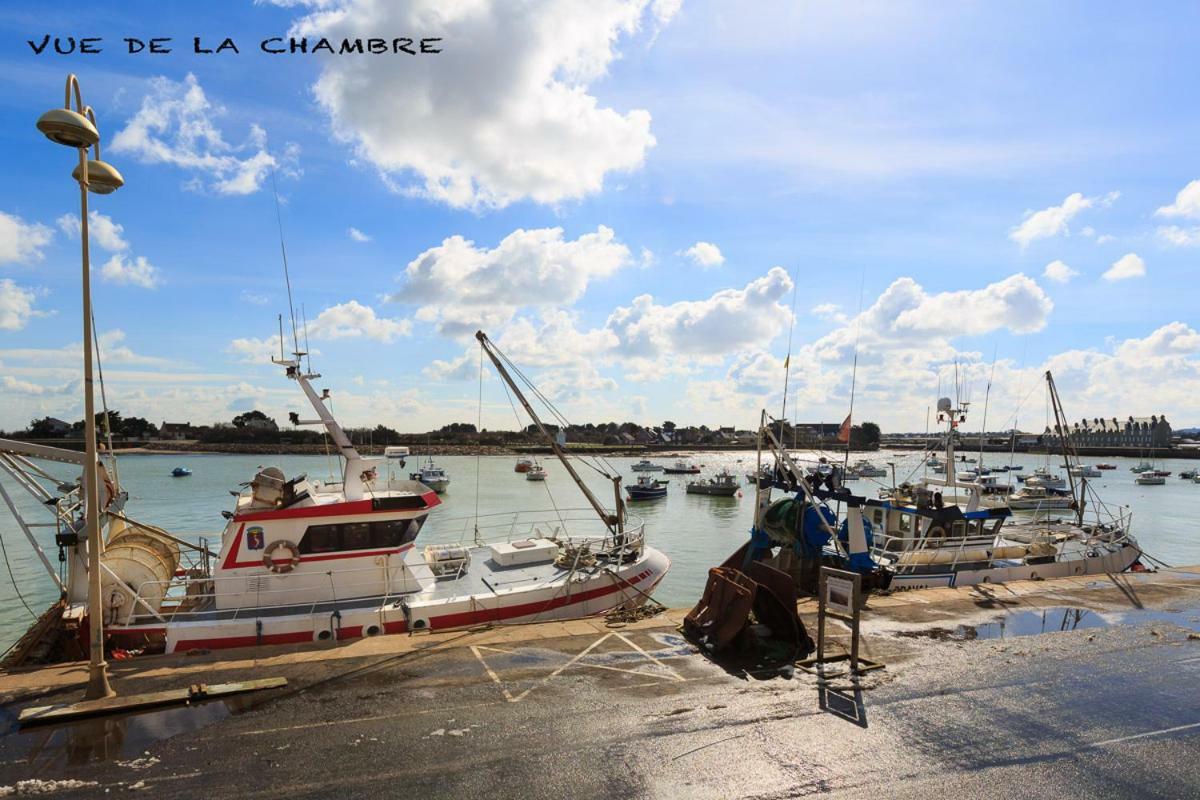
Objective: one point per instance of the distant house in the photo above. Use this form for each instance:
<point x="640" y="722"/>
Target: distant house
<point x="56" y="426"/>
<point x="745" y="437"/>
<point x="176" y="430"/>
<point x="1134" y="432"/>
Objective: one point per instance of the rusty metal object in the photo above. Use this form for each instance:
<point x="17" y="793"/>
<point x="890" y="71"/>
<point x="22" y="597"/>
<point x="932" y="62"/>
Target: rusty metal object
<point x="738" y="603"/>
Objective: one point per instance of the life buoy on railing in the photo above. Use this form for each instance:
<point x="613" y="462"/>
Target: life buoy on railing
<point x="282" y="563"/>
<point x="936" y="533"/>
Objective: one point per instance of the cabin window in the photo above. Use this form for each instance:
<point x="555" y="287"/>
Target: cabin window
<point x="349" y="536"/>
<point x="879" y="516"/>
<point x="356" y="535"/>
<point x="958" y="529"/>
<point x="904" y="523"/>
<point x="320" y="539"/>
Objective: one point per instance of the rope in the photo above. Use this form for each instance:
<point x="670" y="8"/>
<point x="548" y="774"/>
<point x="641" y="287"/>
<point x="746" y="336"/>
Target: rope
<point x="11" y="577"/>
<point x="478" y="453"/>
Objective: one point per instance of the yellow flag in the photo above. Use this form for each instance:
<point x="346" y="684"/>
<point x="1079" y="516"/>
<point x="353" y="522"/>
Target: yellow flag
<point x="787" y="361"/>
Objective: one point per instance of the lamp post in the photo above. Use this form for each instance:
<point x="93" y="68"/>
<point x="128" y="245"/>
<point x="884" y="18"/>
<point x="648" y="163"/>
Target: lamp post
<point x="77" y="128"/>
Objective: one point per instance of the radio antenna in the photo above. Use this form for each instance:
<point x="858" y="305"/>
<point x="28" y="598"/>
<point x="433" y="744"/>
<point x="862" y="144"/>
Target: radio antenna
<point x="304" y="320"/>
<point x="286" y="277"/>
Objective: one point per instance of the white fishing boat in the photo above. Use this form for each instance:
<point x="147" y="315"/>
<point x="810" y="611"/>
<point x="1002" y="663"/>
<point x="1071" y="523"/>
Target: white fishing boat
<point x="1043" y="477"/>
<point x="723" y="484"/>
<point x="302" y="560"/>
<point x="432" y="476"/>
<point x="913" y="538"/>
<point x="1038" y="498"/>
<point x="1084" y="471"/>
<point x="536" y="472"/>
<point x="645" y="465"/>
<point x="866" y="469"/>
<point x="682" y="467"/>
<point x="1150" y="478"/>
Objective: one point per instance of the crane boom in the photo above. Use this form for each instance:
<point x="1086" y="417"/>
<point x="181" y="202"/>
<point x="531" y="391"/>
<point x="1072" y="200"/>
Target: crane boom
<point x="614" y="521"/>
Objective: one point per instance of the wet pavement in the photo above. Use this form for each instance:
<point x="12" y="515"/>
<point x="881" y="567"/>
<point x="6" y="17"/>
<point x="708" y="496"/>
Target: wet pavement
<point x="1104" y="704"/>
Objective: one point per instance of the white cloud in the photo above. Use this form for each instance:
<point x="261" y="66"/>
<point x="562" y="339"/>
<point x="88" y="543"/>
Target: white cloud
<point x="1127" y="266"/>
<point x="357" y="235"/>
<point x="136" y="271"/>
<point x="175" y="126"/>
<point x="112" y="350"/>
<point x="704" y="254"/>
<point x="1059" y="272"/>
<point x="907" y="318"/>
<point x="352" y="319"/>
<point x="504" y="113"/>
<point x="463" y="287"/>
<point x="16" y="305"/>
<point x="16" y="386"/>
<point x="22" y="241"/>
<point x="1105" y="238"/>
<point x="1180" y="237"/>
<point x="249" y="350"/>
<point x="1187" y="203"/>
<point x="1053" y="221"/>
<point x="254" y="298"/>
<point x="829" y="311"/>
<point x="729" y="321"/>
<point x="102" y="231"/>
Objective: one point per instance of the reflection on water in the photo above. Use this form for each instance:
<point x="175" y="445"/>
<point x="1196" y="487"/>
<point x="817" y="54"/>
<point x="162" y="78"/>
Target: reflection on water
<point x="124" y="737"/>
<point x="1032" y="622"/>
<point x="697" y="532"/>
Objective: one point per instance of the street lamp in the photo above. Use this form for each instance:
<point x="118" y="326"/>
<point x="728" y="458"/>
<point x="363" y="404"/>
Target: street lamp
<point x="77" y="128"/>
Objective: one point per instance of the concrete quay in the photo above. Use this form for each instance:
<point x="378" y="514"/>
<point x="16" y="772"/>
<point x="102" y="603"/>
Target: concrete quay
<point x="1081" y="686"/>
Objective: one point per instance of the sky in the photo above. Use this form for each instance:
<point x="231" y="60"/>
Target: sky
<point x="647" y="204"/>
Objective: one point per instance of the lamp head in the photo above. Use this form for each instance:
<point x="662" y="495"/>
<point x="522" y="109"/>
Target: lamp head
<point x="103" y="178"/>
<point x="68" y="127"/>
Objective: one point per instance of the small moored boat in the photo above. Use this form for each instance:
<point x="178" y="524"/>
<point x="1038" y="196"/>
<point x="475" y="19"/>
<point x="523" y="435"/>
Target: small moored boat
<point x="536" y="472"/>
<point x="720" y="485"/>
<point x="682" y="467"/>
<point x="646" y="465"/>
<point x="647" y="488"/>
<point x="180" y="472"/>
<point x="432" y="476"/>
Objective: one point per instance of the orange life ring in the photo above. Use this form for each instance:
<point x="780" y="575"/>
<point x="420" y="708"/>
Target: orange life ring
<point x="281" y="566"/>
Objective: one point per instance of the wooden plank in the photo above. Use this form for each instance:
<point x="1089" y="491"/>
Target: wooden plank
<point x="66" y="712"/>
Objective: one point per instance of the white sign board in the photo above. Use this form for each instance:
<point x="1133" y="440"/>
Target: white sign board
<point x="839" y="595"/>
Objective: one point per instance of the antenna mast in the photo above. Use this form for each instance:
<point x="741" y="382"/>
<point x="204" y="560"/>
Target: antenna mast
<point x="286" y="277"/>
<point x="615" y="522"/>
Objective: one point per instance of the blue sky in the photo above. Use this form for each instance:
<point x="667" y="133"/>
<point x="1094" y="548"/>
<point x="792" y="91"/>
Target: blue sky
<point x="622" y="194"/>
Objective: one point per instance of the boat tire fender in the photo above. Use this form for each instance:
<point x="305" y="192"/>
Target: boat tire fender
<point x="281" y="566"/>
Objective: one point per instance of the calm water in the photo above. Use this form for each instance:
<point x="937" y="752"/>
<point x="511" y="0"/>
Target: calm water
<point x="697" y="532"/>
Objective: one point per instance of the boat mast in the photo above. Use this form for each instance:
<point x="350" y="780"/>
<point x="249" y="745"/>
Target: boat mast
<point x="616" y="521"/>
<point x="1068" y="450"/>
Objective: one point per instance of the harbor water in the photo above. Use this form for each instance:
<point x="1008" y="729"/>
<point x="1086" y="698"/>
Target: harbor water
<point x="695" y="531"/>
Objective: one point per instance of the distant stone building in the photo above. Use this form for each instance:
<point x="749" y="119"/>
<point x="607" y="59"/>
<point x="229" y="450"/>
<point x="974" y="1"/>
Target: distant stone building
<point x="1133" y="432"/>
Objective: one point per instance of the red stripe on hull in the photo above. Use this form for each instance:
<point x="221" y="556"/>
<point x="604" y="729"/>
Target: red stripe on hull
<point x="446" y="621"/>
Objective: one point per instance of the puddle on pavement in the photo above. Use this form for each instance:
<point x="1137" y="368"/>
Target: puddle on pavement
<point x="1033" y="622"/>
<point x="123" y="738"/>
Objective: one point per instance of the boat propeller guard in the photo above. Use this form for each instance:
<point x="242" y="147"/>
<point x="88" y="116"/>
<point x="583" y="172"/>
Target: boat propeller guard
<point x="738" y="604"/>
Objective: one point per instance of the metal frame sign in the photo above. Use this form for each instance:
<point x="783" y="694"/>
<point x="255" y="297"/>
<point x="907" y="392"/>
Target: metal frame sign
<point x="839" y="595"/>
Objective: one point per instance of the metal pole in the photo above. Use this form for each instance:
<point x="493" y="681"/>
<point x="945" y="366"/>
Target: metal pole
<point x="98" y="686"/>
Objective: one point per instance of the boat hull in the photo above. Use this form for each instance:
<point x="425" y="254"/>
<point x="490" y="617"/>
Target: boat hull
<point x="1113" y="562"/>
<point x="630" y="584"/>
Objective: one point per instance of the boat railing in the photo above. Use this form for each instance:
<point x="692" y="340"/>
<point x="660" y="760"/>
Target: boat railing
<point x="948" y="552"/>
<point x="194" y="594"/>
<point x="578" y="525"/>
<point x="191" y="596"/>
